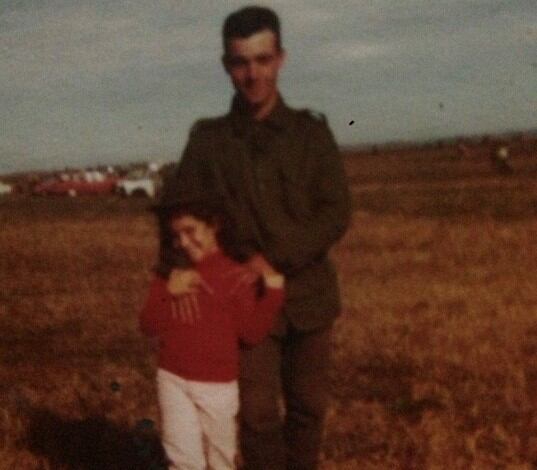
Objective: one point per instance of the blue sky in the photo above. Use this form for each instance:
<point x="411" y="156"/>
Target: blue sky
<point x="84" y="82"/>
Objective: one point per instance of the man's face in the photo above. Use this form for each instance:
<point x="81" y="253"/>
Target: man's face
<point x="197" y="238"/>
<point x="253" y="63"/>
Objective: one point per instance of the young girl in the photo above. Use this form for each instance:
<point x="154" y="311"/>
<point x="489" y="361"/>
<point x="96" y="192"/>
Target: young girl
<point x="199" y="335"/>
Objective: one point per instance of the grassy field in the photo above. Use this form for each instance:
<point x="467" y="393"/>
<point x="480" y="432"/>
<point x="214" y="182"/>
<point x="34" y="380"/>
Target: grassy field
<point x="435" y="354"/>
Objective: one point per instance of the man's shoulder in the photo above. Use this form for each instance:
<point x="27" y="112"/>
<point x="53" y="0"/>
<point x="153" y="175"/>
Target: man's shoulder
<point x="311" y="115"/>
<point x="209" y="124"/>
<point x="309" y="118"/>
<point x="314" y="124"/>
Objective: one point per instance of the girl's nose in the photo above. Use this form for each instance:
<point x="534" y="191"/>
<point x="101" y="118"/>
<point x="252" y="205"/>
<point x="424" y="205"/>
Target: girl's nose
<point x="183" y="240"/>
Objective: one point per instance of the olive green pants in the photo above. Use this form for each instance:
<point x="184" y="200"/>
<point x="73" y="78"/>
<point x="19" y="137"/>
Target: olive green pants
<point x="284" y="390"/>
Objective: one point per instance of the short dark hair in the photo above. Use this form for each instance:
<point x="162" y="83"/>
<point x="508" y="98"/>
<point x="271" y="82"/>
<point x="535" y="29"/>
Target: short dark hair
<point x="250" y="20"/>
<point x="211" y="213"/>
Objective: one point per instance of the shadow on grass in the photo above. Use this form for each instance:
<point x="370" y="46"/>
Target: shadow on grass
<point x="94" y="443"/>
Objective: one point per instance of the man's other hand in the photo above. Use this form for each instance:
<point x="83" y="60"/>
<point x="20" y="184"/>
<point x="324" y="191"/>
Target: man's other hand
<point x="184" y="284"/>
<point x="259" y="264"/>
<point x="186" y="281"/>
<point x="272" y="278"/>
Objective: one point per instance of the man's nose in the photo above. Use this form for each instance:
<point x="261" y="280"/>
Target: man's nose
<point x="253" y="70"/>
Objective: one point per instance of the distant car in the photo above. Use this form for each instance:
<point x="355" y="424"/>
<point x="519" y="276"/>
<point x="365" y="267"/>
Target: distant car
<point x="75" y="187"/>
<point x="5" y="188"/>
<point x="136" y="187"/>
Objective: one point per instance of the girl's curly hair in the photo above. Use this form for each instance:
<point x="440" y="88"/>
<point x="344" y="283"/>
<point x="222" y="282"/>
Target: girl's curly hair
<point x="209" y="212"/>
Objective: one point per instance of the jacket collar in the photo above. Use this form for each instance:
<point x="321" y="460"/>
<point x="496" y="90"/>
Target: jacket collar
<point x="278" y="119"/>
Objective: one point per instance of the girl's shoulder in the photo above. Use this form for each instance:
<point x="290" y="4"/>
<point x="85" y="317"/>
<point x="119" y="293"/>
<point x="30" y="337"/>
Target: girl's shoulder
<point x="230" y="273"/>
<point x="230" y="264"/>
<point x="219" y="262"/>
<point x="158" y="282"/>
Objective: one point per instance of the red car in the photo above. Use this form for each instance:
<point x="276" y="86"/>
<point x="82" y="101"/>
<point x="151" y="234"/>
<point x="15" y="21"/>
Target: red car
<point x="75" y="187"/>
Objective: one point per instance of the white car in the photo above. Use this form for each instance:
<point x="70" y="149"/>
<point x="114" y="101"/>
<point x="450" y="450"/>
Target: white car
<point x="5" y="188"/>
<point x="136" y="187"/>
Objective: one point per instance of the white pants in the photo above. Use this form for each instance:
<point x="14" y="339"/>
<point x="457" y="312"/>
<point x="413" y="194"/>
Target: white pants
<point x="199" y="427"/>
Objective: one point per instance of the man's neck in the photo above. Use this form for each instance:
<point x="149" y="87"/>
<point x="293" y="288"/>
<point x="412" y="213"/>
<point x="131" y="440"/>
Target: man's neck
<point x="259" y="113"/>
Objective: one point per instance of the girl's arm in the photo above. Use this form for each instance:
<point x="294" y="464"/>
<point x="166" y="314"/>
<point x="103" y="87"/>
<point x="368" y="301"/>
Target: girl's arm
<point x="255" y="315"/>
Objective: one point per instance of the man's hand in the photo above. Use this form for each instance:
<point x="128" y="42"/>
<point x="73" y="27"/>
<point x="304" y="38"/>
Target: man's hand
<point x="248" y="273"/>
<point x="184" y="284"/>
<point x="257" y="267"/>
<point x="272" y="278"/>
<point x="185" y="281"/>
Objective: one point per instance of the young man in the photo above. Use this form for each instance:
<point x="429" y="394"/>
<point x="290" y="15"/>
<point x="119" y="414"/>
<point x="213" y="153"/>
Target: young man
<point x="279" y="173"/>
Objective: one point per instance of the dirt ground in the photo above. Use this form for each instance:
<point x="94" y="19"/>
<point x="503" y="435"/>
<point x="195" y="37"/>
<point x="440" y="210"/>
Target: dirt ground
<point x="435" y="353"/>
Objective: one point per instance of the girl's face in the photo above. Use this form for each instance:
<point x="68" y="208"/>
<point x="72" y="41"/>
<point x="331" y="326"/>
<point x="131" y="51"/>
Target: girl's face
<point x="196" y="237"/>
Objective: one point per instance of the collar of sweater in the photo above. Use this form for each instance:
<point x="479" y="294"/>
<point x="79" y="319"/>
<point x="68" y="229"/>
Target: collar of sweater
<point x="211" y="260"/>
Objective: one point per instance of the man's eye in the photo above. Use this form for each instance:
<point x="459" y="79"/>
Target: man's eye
<point x="237" y="62"/>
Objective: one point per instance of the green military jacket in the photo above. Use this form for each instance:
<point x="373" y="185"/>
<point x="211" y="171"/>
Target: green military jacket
<point x="282" y="182"/>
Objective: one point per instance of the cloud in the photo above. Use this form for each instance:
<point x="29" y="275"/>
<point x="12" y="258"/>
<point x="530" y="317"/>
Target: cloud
<point x="351" y="51"/>
<point x="81" y="43"/>
<point x="299" y="17"/>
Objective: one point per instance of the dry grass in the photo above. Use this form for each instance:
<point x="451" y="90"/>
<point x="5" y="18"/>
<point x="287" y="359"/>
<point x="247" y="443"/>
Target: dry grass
<point x="435" y="355"/>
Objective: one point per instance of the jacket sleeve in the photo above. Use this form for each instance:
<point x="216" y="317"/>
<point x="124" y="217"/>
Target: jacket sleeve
<point x="156" y="313"/>
<point x="198" y="169"/>
<point x="189" y="172"/>
<point x="255" y="316"/>
<point x="310" y="239"/>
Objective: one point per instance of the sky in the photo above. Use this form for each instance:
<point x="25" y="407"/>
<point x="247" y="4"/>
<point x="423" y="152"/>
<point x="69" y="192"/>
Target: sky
<point x="88" y="82"/>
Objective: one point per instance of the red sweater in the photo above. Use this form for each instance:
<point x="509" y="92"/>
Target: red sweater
<point x="208" y="349"/>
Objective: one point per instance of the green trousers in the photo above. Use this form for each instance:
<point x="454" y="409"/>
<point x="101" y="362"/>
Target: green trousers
<point x="284" y="393"/>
